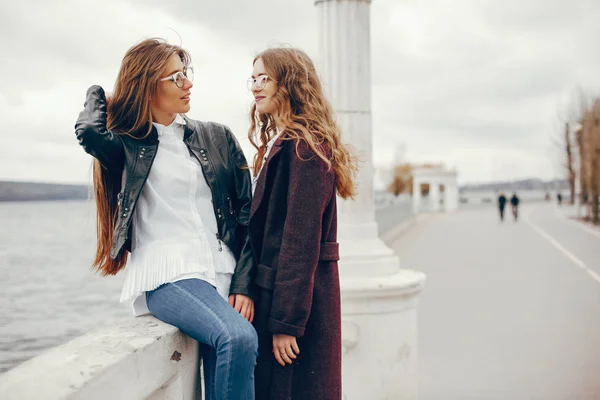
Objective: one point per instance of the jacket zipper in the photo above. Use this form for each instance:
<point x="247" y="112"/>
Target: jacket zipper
<point x="212" y="194"/>
<point x="219" y="241"/>
<point x="141" y="155"/>
<point x="231" y="209"/>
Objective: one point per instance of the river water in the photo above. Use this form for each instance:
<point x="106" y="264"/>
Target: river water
<point x="48" y="294"/>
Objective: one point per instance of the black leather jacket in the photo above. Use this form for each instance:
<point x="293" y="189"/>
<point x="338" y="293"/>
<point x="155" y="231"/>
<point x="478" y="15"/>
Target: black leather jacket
<point x="222" y="161"/>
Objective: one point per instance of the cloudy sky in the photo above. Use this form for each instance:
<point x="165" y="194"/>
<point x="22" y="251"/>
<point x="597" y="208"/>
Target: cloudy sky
<point x="479" y="85"/>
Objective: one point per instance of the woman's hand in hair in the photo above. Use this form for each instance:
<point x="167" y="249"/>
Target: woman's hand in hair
<point x="285" y="349"/>
<point x="242" y="304"/>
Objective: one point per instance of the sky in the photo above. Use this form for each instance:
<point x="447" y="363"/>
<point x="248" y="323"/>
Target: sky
<point x="481" y="86"/>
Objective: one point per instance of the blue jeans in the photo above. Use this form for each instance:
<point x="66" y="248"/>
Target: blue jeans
<point x="228" y="342"/>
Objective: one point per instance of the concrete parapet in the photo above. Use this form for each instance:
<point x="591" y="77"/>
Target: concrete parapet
<point x="138" y="358"/>
<point x="380" y="336"/>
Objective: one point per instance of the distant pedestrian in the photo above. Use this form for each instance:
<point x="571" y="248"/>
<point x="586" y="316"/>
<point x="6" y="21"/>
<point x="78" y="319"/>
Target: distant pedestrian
<point x="559" y="198"/>
<point x="501" y="205"/>
<point x="514" y="202"/>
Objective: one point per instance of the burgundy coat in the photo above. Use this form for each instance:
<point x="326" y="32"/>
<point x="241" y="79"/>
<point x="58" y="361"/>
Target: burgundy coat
<point x="293" y="231"/>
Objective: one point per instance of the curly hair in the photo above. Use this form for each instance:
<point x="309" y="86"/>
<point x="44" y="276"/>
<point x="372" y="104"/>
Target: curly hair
<point x="305" y="114"/>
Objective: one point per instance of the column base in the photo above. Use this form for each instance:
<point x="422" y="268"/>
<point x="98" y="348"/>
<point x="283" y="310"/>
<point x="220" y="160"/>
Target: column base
<point x="364" y="254"/>
<point x="379" y="336"/>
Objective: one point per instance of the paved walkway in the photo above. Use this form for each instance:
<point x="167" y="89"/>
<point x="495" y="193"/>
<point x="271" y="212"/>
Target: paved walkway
<point x="510" y="310"/>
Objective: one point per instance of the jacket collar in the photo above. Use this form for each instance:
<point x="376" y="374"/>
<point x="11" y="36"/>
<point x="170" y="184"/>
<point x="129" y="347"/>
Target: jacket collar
<point x="177" y="123"/>
<point x="188" y="130"/>
<point x="189" y="127"/>
<point x="262" y="179"/>
<point x="150" y="140"/>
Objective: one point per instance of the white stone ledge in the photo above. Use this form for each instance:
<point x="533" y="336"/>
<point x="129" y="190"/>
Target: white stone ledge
<point x="395" y="233"/>
<point x="138" y="358"/>
<point x="381" y="294"/>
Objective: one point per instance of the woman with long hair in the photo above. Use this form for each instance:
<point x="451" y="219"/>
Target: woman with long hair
<point x="173" y="201"/>
<point x="300" y="166"/>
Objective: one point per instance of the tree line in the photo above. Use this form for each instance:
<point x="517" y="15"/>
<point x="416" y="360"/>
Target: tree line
<point x="582" y="157"/>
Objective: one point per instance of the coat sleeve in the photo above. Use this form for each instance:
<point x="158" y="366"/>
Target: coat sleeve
<point x="92" y="134"/>
<point x="243" y="278"/>
<point x="310" y="187"/>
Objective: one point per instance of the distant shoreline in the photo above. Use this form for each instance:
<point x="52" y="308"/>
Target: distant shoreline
<point x="44" y="200"/>
<point x="37" y="191"/>
<point x="33" y="191"/>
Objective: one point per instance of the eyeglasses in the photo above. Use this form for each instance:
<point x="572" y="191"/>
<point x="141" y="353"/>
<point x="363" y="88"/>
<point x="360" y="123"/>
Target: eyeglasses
<point x="180" y="77"/>
<point x="258" y="83"/>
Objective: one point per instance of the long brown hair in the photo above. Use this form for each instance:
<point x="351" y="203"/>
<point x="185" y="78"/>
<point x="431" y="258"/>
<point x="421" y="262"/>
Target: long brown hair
<point x="306" y="114"/>
<point x="128" y="113"/>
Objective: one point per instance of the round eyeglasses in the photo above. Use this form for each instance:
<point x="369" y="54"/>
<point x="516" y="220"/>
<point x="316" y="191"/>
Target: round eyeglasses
<point x="257" y="83"/>
<point x="180" y="77"/>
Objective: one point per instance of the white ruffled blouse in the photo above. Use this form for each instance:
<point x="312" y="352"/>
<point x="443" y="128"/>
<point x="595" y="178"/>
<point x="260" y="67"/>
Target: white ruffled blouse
<point x="174" y="226"/>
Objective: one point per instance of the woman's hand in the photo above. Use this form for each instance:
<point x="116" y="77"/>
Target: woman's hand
<point x="242" y="304"/>
<point x="285" y="349"/>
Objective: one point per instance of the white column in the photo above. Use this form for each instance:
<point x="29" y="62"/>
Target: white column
<point x="434" y="196"/>
<point x="444" y="195"/>
<point x="447" y="195"/>
<point x="451" y="196"/>
<point x="416" y="197"/>
<point x="378" y="298"/>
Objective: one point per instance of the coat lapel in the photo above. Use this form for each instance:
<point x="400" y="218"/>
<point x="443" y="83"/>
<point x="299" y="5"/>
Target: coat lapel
<point x="262" y="178"/>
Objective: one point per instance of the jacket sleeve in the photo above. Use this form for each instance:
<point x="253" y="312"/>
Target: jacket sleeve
<point x="92" y="134"/>
<point x="243" y="277"/>
<point x="310" y="187"/>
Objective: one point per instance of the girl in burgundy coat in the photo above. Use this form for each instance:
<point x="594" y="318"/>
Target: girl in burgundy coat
<point x="300" y="167"/>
